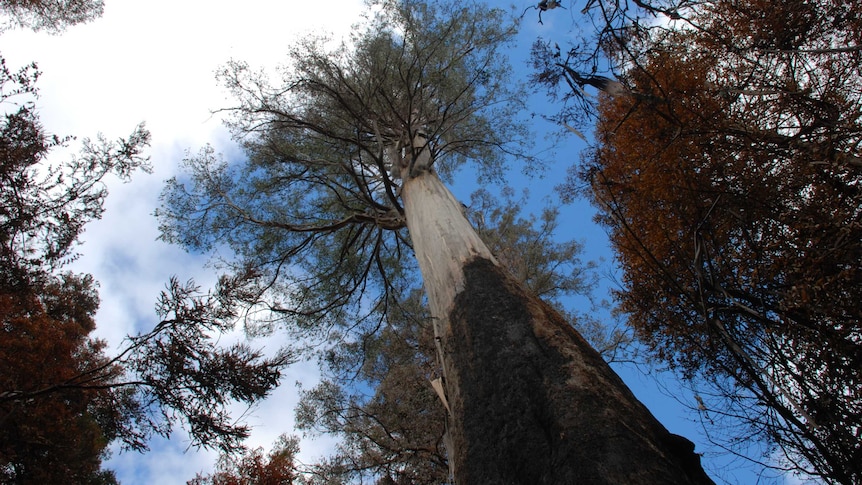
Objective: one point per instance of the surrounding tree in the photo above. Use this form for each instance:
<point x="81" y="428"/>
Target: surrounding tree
<point x="48" y="15"/>
<point x="45" y="342"/>
<point x="727" y="167"/>
<point x="395" y="433"/>
<point x="342" y="157"/>
<point x="46" y="317"/>
<point x="252" y="468"/>
<point x="62" y="400"/>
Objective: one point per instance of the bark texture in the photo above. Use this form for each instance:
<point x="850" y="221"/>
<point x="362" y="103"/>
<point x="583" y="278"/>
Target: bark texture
<point x="531" y="402"/>
<point x="443" y="239"/>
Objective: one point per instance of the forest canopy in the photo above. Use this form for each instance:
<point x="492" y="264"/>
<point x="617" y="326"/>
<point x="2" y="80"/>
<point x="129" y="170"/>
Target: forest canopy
<point x="727" y="168"/>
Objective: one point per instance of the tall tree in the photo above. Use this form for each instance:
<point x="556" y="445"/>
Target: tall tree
<point x="727" y="166"/>
<point x="378" y="396"/>
<point x="342" y="157"/>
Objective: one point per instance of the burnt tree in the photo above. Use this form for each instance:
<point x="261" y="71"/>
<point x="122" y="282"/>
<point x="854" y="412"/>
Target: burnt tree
<point x="341" y="184"/>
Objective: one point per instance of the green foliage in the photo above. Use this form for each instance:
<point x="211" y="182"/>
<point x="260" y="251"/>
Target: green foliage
<point x="378" y="400"/>
<point x="313" y="214"/>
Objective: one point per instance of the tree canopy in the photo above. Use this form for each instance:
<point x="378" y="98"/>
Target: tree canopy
<point x="48" y="15"/>
<point x="44" y="343"/>
<point x="727" y="168"/>
<point x="313" y="214"/>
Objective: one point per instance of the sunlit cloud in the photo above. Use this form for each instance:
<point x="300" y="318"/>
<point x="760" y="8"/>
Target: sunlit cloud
<point x="155" y="62"/>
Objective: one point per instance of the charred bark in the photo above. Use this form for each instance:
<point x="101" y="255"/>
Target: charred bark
<point x="530" y="401"/>
<point x="533" y="403"/>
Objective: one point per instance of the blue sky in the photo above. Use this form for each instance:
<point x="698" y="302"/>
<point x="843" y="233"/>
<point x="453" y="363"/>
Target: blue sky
<point x="154" y="61"/>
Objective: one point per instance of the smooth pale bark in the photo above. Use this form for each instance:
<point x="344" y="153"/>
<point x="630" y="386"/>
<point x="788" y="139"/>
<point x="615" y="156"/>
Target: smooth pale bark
<point x="443" y="239"/>
<point x="530" y="401"/>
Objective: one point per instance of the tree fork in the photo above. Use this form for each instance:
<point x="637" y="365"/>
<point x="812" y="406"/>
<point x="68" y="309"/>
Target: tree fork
<point x="531" y="402"/>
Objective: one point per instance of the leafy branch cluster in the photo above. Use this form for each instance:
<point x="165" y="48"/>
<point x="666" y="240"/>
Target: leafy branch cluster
<point x="48" y="15"/>
<point x="314" y="212"/>
<point x="63" y="399"/>
<point x="727" y="169"/>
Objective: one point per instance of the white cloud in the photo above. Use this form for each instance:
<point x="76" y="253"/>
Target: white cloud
<point x="169" y="462"/>
<point x="154" y="61"/>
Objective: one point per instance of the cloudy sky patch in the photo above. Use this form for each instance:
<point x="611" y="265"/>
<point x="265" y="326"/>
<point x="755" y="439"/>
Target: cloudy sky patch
<point x="155" y="62"/>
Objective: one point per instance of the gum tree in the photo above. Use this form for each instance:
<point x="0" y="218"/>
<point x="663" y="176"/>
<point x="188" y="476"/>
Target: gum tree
<point x="342" y="183"/>
<point x="377" y="397"/>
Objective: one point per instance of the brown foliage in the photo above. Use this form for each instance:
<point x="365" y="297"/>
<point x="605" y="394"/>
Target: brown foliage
<point x="61" y="399"/>
<point x="730" y="179"/>
<point x="253" y="468"/>
<point x="55" y="428"/>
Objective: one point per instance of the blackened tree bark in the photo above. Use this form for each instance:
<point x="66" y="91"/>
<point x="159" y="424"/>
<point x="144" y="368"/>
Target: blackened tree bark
<point x="536" y="404"/>
<point x="530" y="401"/>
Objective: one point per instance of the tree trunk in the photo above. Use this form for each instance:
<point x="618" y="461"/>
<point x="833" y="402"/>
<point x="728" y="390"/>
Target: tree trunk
<point x="530" y="401"/>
